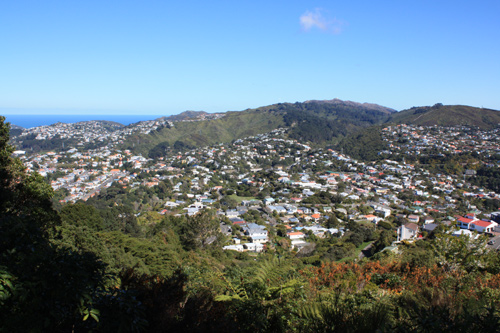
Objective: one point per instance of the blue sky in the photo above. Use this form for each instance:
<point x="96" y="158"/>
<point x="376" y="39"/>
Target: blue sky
<point x="165" y="57"/>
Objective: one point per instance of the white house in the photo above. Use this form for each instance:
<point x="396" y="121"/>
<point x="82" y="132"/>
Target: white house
<point x="407" y="231"/>
<point x="296" y="235"/>
<point x="256" y="232"/>
<point x="254" y="247"/>
<point x="278" y="209"/>
<point x="482" y="226"/>
<point x="384" y="211"/>
<point x="475" y="224"/>
<point x="171" y="204"/>
<point x="237" y="247"/>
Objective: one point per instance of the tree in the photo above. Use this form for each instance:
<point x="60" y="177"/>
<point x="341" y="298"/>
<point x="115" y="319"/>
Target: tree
<point x="49" y="288"/>
<point x="332" y="221"/>
<point x="200" y="231"/>
<point x="80" y="214"/>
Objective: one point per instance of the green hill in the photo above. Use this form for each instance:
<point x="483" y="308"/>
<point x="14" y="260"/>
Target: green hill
<point x="232" y="126"/>
<point x="448" y="115"/>
<point x="317" y="122"/>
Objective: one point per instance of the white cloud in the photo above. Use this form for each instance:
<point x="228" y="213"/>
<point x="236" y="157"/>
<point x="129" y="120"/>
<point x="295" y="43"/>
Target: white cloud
<point x="318" y="19"/>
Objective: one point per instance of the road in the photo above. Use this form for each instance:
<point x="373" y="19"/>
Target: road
<point x="496" y="245"/>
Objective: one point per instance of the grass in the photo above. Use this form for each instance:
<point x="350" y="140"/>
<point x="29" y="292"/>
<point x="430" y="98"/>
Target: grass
<point x="240" y="199"/>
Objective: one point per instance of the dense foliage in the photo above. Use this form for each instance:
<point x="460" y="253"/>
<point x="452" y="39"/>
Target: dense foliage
<point x="448" y="115"/>
<point x="322" y="123"/>
<point x="365" y="145"/>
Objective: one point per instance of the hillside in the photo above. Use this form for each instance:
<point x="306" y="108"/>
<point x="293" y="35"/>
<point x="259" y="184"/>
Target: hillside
<point x="448" y="115"/>
<point x="318" y="122"/>
<point x="232" y="126"/>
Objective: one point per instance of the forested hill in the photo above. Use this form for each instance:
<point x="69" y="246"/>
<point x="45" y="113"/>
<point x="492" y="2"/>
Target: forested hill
<point x="448" y="115"/>
<point x="317" y="122"/>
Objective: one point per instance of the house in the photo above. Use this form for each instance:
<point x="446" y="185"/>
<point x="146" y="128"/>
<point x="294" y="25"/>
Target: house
<point x="207" y="201"/>
<point x="305" y="210"/>
<point x="407" y="231"/>
<point x="385" y="212"/>
<point x="236" y="247"/>
<point x="428" y="220"/>
<point x="268" y="201"/>
<point x="429" y="227"/>
<point x="256" y="232"/>
<point x="381" y="190"/>
<point x="298" y="243"/>
<point x="370" y="217"/>
<point x="254" y="247"/>
<point x="307" y="192"/>
<point x="252" y="202"/>
<point x="495" y="216"/>
<point x="320" y="231"/>
<point x="278" y="209"/>
<point x="290" y="209"/>
<point x="171" y="204"/>
<point x="316" y="217"/>
<point x="237" y="220"/>
<point x="413" y="218"/>
<point x="296" y="235"/>
<point x="472" y="223"/>
<point x="464" y="222"/>
<point x="231" y="213"/>
<point x="297" y="238"/>
<point x="483" y="226"/>
<point x="192" y="211"/>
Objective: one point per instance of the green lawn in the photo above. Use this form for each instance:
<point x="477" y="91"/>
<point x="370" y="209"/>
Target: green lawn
<point x="240" y="199"/>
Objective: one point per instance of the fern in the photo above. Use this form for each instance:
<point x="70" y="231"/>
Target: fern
<point x="232" y="292"/>
<point x="273" y="271"/>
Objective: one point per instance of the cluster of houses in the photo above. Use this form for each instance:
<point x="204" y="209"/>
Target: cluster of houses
<point x="290" y="173"/>
<point x="421" y="139"/>
<point x="93" y="131"/>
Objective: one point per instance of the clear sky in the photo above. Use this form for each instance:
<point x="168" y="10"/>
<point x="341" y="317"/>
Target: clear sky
<point x="165" y="57"/>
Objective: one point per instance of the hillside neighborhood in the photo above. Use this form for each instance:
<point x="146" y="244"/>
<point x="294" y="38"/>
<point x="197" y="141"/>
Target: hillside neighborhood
<point x="268" y="182"/>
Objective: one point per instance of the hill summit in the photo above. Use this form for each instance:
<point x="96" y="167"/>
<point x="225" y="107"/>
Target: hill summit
<point x="368" y="106"/>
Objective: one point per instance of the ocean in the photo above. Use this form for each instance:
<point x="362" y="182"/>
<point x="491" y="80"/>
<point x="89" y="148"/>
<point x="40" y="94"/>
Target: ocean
<point x="30" y="120"/>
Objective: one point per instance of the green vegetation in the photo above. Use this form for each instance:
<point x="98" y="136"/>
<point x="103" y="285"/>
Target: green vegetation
<point x="364" y="145"/>
<point x="318" y="122"/>
<point x="448" y="115"/>
<point x="232" y="126"/>
<point x="238" y="198"/>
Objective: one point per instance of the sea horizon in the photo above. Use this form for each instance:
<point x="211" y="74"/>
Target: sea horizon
<point x="35" y="120"/>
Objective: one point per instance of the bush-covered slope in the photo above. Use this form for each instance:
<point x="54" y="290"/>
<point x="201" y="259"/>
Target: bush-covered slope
<point x="232" y="126"/>
<point x="448" y="115"/>
<point x="317" y="122"/>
